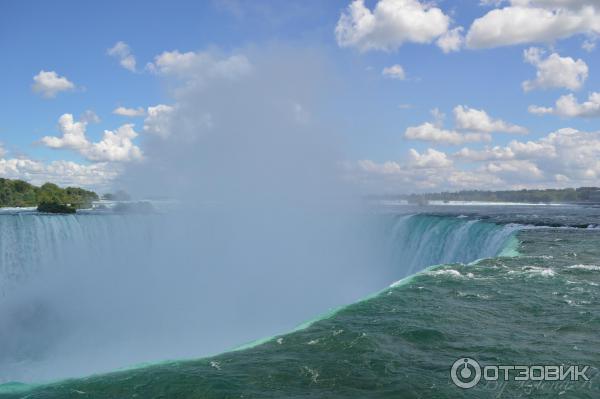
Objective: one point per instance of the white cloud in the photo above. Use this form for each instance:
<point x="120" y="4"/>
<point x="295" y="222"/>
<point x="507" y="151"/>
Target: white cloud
<point x="515" y="150"/>
<point x="73" y="134"/>
<point x="122" y="52"/>
<point x="429" y="159"/>
<point x="532" y="149"/>
<point x="518" y="170"/>
<point x="49" y="84"/>
<point x="63" y="173"/>
<point x="395" y="176"/>
<point x="473" y="126"/>
<point x="566" y="155"/>
<point x="159" y="120"/>
<point x="527" y="21"/>
<point x="589" y="44"/>
<point x="198" y="66"/>
<point x="487" y="154"/>
<point x="390" y="24"/>
<point x="452" y="40"/>
<point x="432" y="133"/>
<point x="479" y="121"/>
<point x="568" y="106"/>
<point x="90" y="116"/>
<point x="537" y="110"/>
<point x="130" y="112"/>
<point x="555" y="71"/>
<point x="438" y="116"/>
<point x="116" y="146"/>
<point x="394" y="72"/>
<point x="466" y="179"/>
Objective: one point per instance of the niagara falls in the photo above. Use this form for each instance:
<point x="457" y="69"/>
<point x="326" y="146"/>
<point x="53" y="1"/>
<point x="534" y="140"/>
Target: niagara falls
<point x="299" y="199"/>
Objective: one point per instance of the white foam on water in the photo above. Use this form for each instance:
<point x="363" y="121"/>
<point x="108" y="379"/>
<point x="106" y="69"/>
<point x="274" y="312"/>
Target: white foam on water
<point x="540" y="271"/>
<point x="585" y="267"/>
<point x="446" y="272"/>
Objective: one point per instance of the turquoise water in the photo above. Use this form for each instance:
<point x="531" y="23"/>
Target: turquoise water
<point x="532" y="299"/>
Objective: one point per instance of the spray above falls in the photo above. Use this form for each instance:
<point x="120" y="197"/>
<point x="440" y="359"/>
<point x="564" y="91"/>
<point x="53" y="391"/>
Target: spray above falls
<point x="265" y="236"/>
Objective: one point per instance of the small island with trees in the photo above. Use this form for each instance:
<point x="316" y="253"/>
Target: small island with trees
<point x="48" y="198"/>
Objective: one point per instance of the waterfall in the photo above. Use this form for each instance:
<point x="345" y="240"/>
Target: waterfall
<point x="418" y="241"/>
<point x="31" y="243"/>
<point x="92" y="292"/>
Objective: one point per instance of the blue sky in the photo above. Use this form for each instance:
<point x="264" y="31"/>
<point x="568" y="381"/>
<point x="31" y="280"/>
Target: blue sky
<point x="373" y="111"/>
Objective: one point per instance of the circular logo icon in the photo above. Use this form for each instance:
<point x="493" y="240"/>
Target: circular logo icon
<point x="465" y="373"/>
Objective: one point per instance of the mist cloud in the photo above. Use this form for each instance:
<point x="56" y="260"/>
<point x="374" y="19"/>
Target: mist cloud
<point x="266" y="234"/>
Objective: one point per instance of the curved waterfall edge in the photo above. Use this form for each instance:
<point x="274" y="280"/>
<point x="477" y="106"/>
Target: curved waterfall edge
<point x="509" y="248"/>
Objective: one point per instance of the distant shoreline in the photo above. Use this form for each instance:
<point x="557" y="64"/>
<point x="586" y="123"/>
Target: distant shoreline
<point x="565" y="196"/>
<point x="484" y="203"/>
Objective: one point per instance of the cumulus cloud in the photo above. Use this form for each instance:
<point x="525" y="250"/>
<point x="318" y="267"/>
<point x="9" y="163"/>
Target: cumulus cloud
<point x="395" y="176"/>
<point x="518" y="170"/>
<point x="390" y="24"/>
<point x="568" y="106"/>
<point x="479" y="121"/>
<point x="555" y="71"/>
<point x="452" y="40"/>
<point x="530" y="21"/>
<point x="48" y="84"/>
<point x="472" y="125"/>
<point x="564" y="156"/>
<point x="159" y="120"/>
<point x="130" y="112"/>
<point x="90" y="116"/>
<point x="487" y="154"/>
<point x="428" y="159"/>
<point x="572" y="154"/>
<point x="394" y="72"/>
<point x="73" y="134"/>
<point x="432" y="133"/>
<point x="63" y="173"/>
<point x="122" y="52"/>
<point x="589" y="44"/>
<point x="116" y="146"/>
<point x="515" y="150"/>
<point x="537" y="110"/>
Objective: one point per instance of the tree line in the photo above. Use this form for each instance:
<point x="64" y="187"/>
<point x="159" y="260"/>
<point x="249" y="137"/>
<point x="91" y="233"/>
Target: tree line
<point x="565" y="195"/>
<point x="18" y="193"/>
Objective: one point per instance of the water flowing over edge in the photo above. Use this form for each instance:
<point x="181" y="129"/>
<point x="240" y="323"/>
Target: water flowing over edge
<point x="416" y="233"/>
